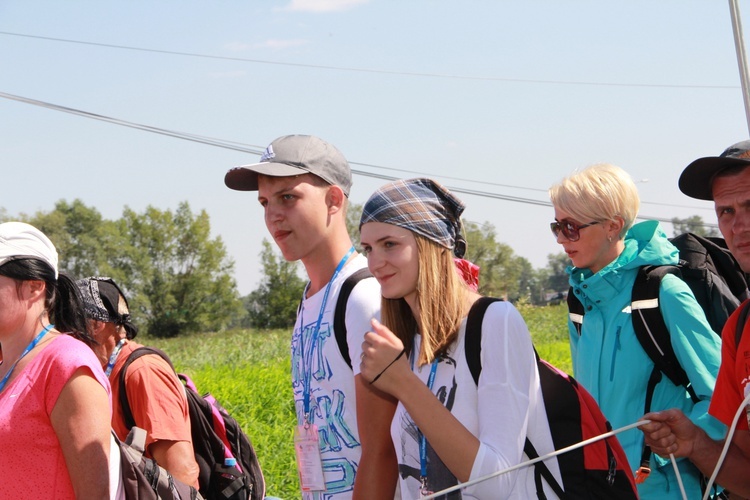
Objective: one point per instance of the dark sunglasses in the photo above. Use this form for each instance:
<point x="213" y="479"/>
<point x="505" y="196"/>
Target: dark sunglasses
<point x="570" y="230"/>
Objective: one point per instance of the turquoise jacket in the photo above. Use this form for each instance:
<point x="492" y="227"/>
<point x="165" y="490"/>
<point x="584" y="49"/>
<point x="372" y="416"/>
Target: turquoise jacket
<point x="609" y="361"/>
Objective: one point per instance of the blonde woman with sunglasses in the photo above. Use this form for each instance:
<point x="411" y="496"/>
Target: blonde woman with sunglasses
<point x="595" y="210"/>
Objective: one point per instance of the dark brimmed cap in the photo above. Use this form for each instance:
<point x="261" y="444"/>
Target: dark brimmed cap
<point x="697" y="179"/>
<point x="292" y="155"/>
<point x="100" y="298"/>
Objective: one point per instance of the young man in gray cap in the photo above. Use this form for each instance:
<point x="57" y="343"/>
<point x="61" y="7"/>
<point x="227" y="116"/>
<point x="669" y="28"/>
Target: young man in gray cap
<point x="303" y="186"/>
<point x="725" y="179"/>
<point x="155" y="395"/>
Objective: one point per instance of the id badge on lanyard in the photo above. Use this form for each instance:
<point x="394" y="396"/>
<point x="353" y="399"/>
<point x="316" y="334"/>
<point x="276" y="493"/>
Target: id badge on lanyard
<point x="306" y="444"/>
<point x="309" y="463"/>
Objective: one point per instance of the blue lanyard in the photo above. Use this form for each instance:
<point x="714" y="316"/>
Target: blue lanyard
<point x="113" y="357"/>
<point x="307" y="356"/>
<point x="422" y="439"/>
<point x="24" y="353"/>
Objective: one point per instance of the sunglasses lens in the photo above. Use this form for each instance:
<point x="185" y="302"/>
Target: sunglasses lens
<point x="568" y="229"/>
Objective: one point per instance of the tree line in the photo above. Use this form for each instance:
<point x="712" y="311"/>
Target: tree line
<point x="178" y="279"/>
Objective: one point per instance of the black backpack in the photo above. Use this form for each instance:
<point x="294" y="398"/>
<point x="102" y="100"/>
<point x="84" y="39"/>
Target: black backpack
<point x="142" y="478"/>
<point x="719" y="286"/>
<point x="216" y="436"/>
<point x="598" y="470"/>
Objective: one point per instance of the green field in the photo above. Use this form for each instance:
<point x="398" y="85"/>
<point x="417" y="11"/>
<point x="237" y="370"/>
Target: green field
<point x="248" y="373"/>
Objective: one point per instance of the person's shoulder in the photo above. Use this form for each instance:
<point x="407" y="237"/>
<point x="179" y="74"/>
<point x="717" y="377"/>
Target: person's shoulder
<point x="501" y="315"/>
<point x="67" y="349"/>
<point x="148" y="362"/>
<point x="365" y="284"/>
<point x="501" y="309"/>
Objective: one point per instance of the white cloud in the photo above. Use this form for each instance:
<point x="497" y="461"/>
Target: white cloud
<point x="323" y="5"/>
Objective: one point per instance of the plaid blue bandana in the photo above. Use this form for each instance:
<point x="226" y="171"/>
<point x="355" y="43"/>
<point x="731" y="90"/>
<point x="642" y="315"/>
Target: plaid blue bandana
<point x="422" y="206"/>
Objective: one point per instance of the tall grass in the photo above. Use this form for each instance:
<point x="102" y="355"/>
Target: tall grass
<point x="248" y="371"/>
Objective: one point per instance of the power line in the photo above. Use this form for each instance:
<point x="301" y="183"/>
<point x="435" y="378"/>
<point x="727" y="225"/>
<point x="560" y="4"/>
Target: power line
<point x="372" y="70"/>
<point x="258" y="150"/>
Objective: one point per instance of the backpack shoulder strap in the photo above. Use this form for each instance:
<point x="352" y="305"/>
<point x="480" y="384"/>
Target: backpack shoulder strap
<point x="575" y="310"/>
<point x="741" y="322"/>
<point x="648" y="322"/>
<point x="473" y="338"/>
<point x="339" y="315"/>
<point x="124" y="404"/>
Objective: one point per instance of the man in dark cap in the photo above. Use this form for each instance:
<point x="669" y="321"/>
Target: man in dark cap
<point x="155" y="395"/>
<point x="725" y="179"/>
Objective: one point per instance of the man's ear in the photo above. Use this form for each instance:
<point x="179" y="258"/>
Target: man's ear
<point x="336" y="199"/>
<point x="96" y="326"/>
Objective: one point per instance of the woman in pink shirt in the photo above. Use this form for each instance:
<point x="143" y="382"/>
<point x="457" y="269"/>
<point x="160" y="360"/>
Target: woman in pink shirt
<point x="54" y="399"/>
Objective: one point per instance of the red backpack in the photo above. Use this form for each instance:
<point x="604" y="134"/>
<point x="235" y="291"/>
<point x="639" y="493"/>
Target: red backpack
<point x="598" y="470"/>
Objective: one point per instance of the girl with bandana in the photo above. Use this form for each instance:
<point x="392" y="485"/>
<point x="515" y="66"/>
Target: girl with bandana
<point x="447" y="429"/>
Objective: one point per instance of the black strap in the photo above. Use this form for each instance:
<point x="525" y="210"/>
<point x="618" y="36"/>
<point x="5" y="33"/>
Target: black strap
<point x="575" y="307"/>
<point x="339" y="315"/>
<point x="541" y="468"/>
<point x="473" y="338"/>
<point x="741" y="322"/>
<point x="124" y="404"/>
<point x="650" y="330"/>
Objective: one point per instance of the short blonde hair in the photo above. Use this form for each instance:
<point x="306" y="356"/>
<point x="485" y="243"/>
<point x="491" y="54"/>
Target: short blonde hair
<point x="441" y="298"/>
<point x="598" y="193"/>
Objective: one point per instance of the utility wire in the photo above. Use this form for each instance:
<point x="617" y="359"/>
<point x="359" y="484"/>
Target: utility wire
<point x="258" y="150"/>
<point x="371" y="70"/>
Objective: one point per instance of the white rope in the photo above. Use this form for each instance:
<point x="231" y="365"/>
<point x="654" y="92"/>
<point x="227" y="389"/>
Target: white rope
<point x="538" y="459"/>
<point x="727" y="442"/>
<point x="679" y="477"/>
<point x="712" y="479"/>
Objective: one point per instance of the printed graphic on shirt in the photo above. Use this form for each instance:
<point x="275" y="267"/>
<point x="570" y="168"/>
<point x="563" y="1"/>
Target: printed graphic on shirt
<point x="438" y="475"/>
<point x="339" y="446"/>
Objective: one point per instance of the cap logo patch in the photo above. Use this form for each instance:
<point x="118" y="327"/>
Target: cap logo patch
<point x="744" y="155"/>
<point x="268" y="155"/>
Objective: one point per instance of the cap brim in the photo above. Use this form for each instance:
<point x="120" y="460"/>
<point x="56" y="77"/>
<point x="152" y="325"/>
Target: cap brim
<point x="697" y="178"/>
<point x="245" y="177"/>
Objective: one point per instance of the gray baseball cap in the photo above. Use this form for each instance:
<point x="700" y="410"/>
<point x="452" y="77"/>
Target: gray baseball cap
<point x="292" y="155"/>
<point x="697" y="179"/>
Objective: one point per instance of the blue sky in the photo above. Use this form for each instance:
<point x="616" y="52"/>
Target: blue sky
<point x="505" y="97"/>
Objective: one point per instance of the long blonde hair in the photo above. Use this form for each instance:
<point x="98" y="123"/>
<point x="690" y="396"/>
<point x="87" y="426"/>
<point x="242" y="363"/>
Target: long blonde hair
<point x="441" y="299"/>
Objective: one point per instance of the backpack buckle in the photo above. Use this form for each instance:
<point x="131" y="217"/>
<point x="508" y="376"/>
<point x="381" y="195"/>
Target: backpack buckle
<point x="642" y="474"/>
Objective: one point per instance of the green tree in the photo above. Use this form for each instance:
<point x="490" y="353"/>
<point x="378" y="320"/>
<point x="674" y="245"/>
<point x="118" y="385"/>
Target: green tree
<point x="182" y="277"/>
<point x="77" y="231"/>
<point x="499" y="269"/>
<point x="531" y="283"/>
<point x="353" y="216"/>
<point x="177" y="279"/>
<point x="274" y="303"/>
<point x="557" y="278"/>
<point x="693" y="224"/>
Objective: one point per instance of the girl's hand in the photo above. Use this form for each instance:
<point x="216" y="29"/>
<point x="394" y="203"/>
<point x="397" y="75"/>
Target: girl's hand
<point x="383" y="363"/>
